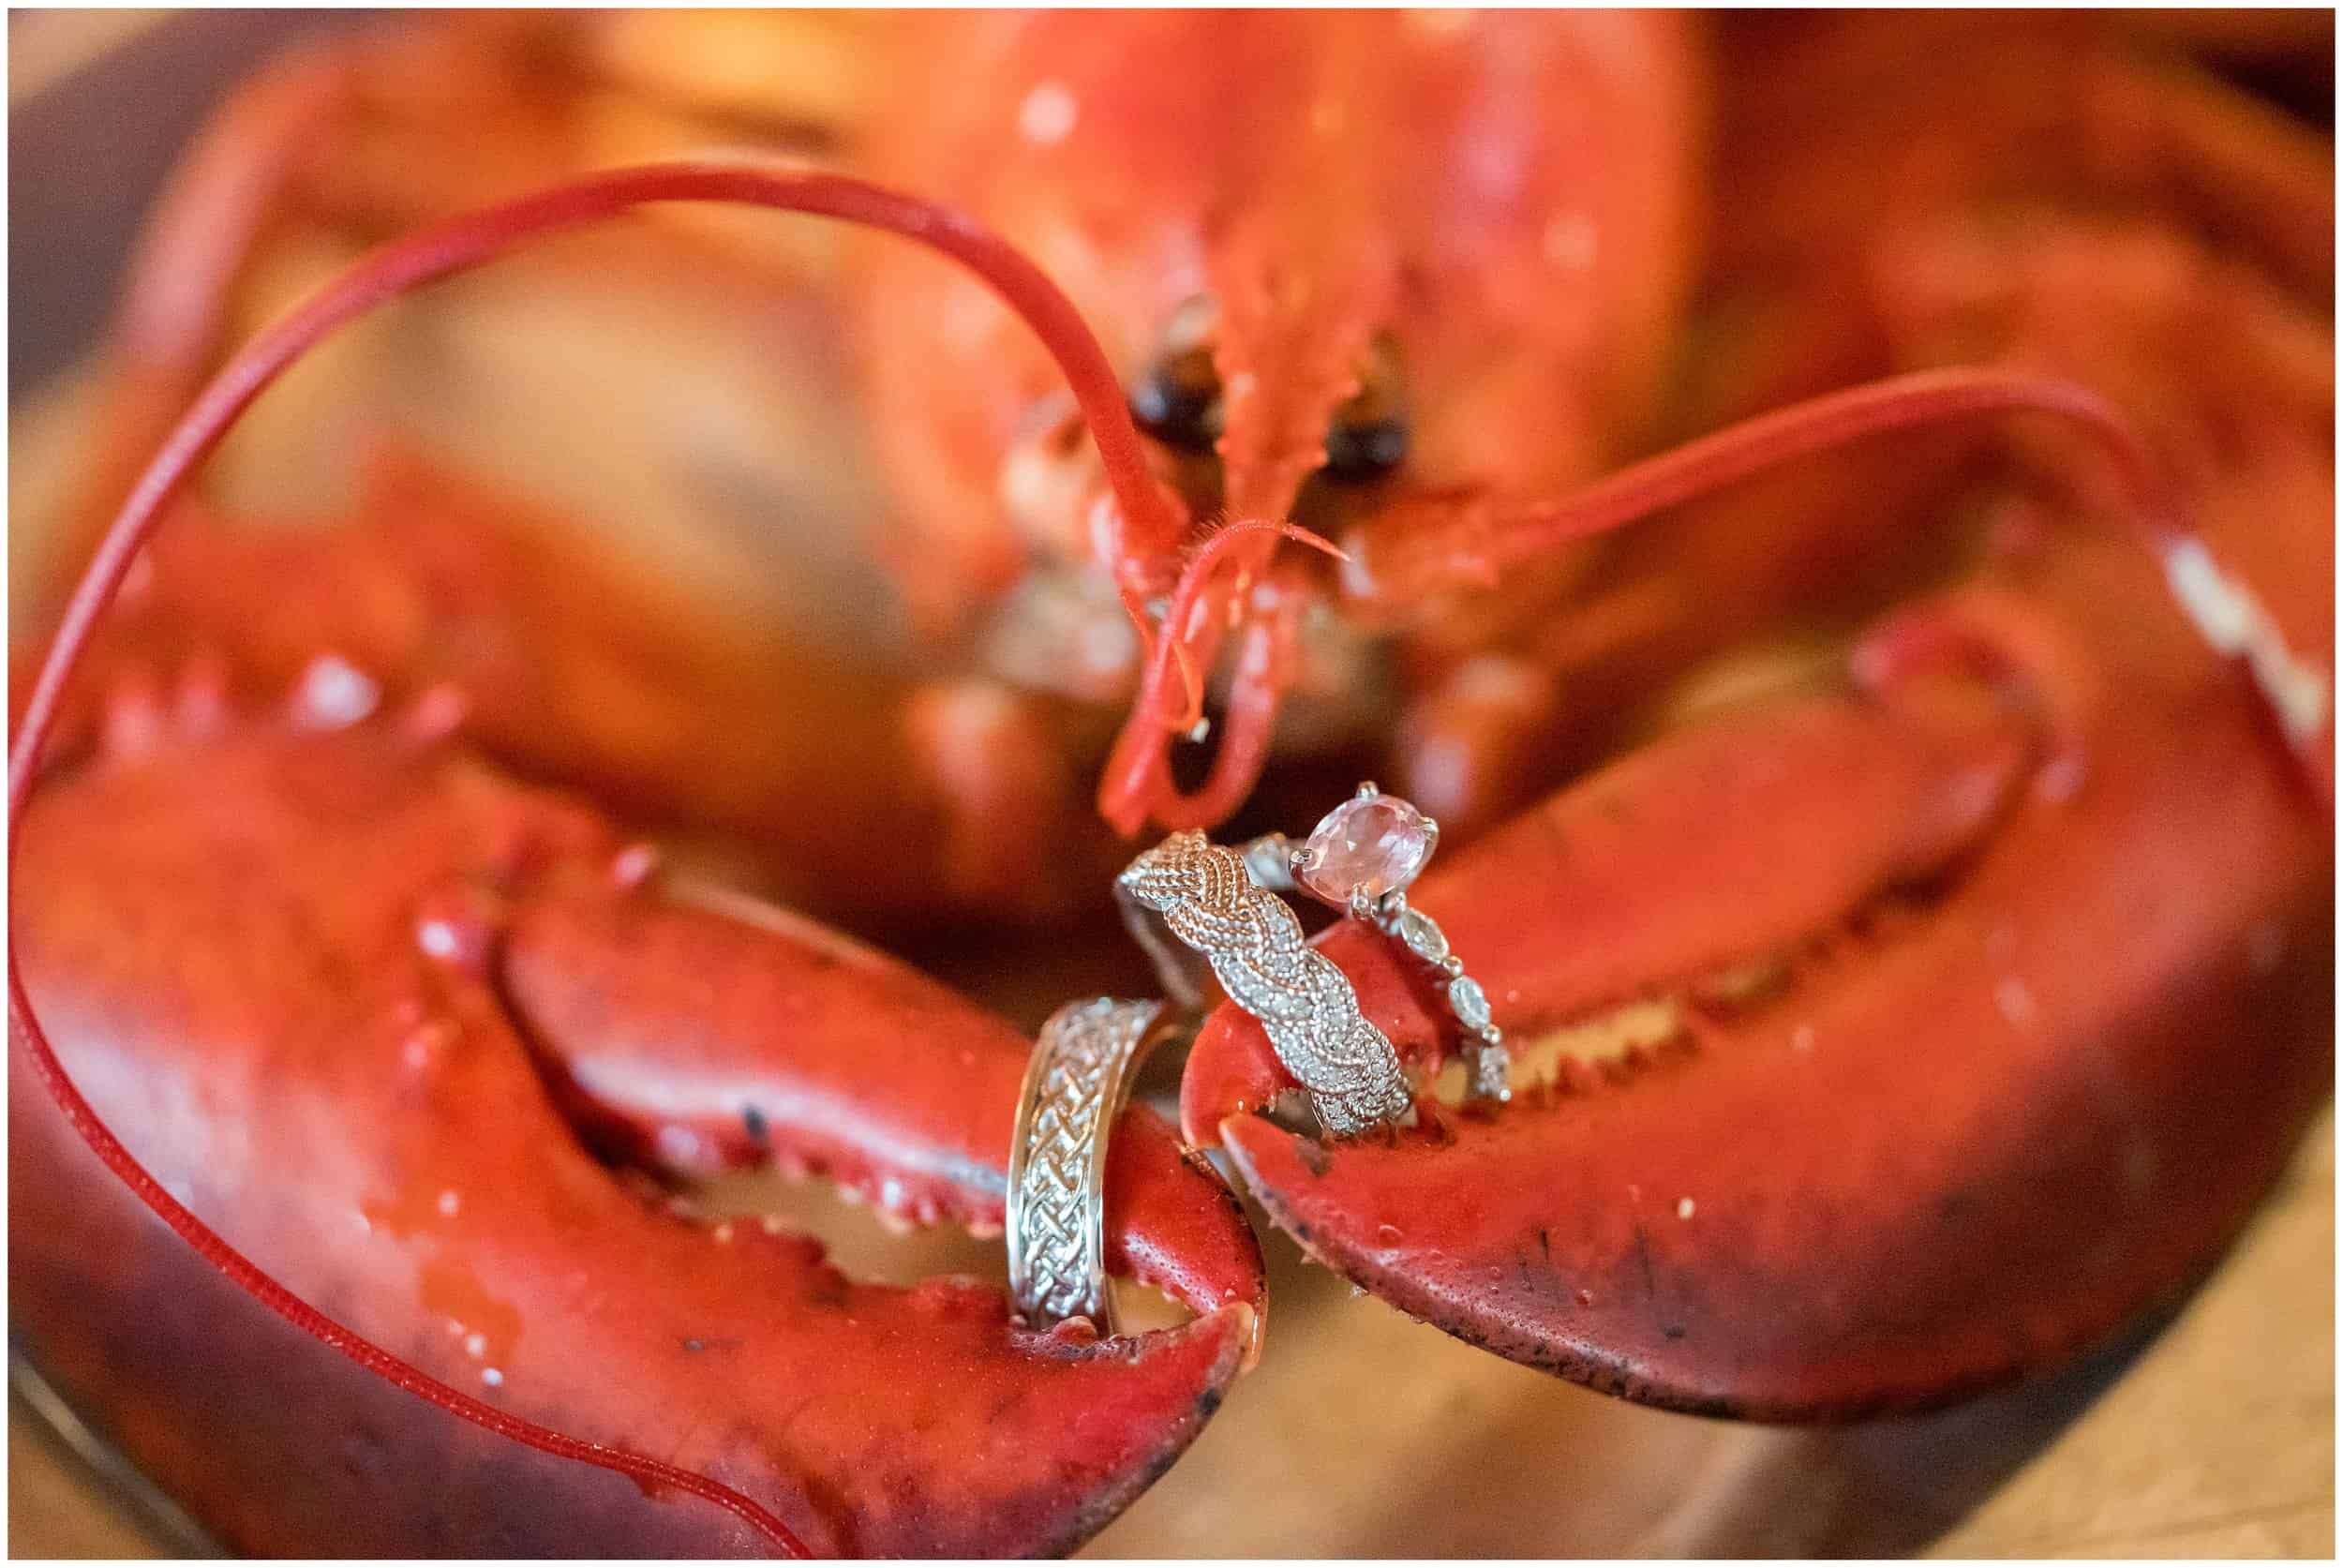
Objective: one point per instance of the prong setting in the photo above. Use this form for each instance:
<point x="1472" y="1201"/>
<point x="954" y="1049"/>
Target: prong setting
<point x="1391" y="847"/>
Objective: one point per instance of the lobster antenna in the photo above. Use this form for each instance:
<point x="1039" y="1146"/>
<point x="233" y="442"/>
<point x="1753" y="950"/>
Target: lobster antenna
<point x="2224" y="611"/>
<point x="1475" y="551"/>
<point x="387" y="273"/>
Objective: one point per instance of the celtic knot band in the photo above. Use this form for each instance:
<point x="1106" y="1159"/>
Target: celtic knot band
<point x="1345" y="1065"/>
<point x="1080" y="1073"/>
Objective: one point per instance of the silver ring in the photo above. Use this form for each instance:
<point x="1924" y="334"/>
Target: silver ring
<point x="1361" y="858"/>
<point x="1207" y="899"/>
<point x="1076" y="1082"/>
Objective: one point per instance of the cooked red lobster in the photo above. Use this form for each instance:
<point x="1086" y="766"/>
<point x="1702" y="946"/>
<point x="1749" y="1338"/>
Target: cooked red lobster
<point x="1897" y="1013"/>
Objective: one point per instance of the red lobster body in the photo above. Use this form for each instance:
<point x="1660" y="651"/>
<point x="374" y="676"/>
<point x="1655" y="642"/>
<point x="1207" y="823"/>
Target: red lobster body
<point x="1895" y="1035"/>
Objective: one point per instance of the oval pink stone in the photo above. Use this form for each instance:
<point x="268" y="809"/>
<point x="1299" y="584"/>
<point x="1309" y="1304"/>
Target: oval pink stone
<point x="1378" y="842"/>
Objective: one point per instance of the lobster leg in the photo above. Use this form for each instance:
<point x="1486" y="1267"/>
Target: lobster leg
<point x="293" y="148"/>
<point x="700" y="1031"/>
<point x="313" y="980"/>
<point x="230" y="191"/>
<point x="564" y="663"/>
<point x="1946" y="1023"/>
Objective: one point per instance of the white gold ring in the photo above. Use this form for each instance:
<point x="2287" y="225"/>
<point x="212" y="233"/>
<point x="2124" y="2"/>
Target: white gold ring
<point x="1076" y="1082"/>
<point x="1208" y="900"/>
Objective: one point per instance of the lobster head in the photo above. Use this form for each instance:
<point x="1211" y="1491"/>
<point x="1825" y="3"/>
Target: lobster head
<point x="1386" y="260"/>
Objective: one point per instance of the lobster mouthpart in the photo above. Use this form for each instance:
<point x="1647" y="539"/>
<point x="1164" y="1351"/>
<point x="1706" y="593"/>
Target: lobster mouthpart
<point x="336" y="991"/>
<point x="1910" y="1038"/>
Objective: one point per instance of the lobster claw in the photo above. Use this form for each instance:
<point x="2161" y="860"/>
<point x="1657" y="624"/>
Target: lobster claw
<point x="701" y="1030"/>
<point x="1902" y="1040"/>
<point x="337" y="992"/>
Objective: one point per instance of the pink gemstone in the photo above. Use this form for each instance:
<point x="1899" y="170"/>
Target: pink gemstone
<point x="1378" y="842"/>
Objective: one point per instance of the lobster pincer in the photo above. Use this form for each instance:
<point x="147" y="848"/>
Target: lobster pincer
<point x="338" y="990"/>
<point x="1870" y="1047"/>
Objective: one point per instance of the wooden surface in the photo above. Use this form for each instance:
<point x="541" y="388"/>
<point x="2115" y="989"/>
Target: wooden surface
<point x="1364" y="1434"/>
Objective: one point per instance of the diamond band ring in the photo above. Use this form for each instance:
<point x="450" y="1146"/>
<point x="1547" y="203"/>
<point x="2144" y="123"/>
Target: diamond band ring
<point x="1361" y="858"/>
<point x="1076" y="1082"/>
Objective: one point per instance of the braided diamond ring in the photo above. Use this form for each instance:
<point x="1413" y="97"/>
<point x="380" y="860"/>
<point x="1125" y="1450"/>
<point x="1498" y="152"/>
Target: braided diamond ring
<point x="1221" y="906"/>
<point x="1208" y="900"/>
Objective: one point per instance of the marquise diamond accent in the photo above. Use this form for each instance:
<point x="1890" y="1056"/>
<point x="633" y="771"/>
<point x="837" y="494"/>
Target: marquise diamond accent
<point x="1470" y="1002"/>
<point x="1422" y="935"/>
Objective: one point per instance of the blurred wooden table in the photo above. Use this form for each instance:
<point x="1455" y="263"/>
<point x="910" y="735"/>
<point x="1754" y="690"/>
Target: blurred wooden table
<point x="2215" y="1439"/>
<point x="1362" y="1434"/>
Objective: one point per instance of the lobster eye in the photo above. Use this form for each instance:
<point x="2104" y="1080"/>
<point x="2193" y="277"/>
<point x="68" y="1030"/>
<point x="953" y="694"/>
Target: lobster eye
<point x="1178" y="401"/>
<point x="1369" y="435"/>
